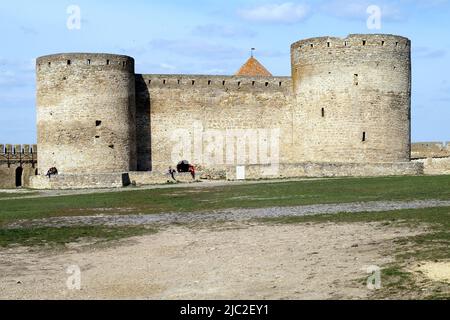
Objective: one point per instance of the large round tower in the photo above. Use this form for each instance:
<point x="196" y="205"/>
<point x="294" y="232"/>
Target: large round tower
<point x="86" y="113"/>
<point x="353" y="98"/>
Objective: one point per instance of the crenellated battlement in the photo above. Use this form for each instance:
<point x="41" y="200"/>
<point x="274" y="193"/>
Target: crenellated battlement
<point x="424" y="150"/>
<point x="76" y="61"/>
<point x="359" y="41"/>
<point x="18" y="155"/>
<point x="217" y="82"/>
<point x="24" y="149"/>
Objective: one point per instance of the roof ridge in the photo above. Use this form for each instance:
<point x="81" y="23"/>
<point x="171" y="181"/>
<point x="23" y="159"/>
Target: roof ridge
<point x="253" y="68"/>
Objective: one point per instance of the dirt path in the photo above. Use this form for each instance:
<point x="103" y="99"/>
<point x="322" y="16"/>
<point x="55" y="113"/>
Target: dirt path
<point x="237" y="261"/>
<point x="108" y="218"/>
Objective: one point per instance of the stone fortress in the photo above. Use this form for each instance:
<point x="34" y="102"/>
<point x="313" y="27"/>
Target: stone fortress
<point x="346" y="111"/>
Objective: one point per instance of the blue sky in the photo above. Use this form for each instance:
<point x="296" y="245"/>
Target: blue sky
<point x="214" y="37"/>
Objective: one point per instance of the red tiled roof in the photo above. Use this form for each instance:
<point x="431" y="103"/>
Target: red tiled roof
<point x="253" y="68"/>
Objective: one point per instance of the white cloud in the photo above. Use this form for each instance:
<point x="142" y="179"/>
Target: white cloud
<point x="195" y="48"/>
<point x="357" y="9"/>
<point x="216" y="30"/>
<point x="167" y="66"/>
<point x="277" y="13"/>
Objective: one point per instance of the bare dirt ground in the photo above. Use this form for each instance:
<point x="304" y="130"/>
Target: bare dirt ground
<point x="222" y="261"/>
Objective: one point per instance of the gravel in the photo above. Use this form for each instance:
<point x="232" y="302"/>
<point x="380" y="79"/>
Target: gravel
<point x="228" y="214"/>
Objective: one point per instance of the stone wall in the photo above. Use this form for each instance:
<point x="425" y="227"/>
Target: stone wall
<point x="323" y="170"/>
<point x="86" y="113"/>
<point x="353" y="98"/>
<point x="173" y="108"/>
<point x="424" y="150"/>
<point x="17" y="164"/>
<point x="435" y="166"/>
<point x="435" y="156"/>
<point x="80" y="181"/>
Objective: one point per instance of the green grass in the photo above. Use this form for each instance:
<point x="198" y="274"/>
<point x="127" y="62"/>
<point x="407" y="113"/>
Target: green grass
<point x="431" y="246"/>
<point x="240" y="196"/>
<point x="61" y="236"/>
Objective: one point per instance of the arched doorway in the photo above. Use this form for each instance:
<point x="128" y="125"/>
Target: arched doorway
<point x="19" y="172"/>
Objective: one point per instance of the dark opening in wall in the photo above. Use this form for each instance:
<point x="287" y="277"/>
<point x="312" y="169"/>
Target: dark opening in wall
<point x="19" y="172"/>
<point x="149" y="81"/>
<point x="49" y="64"/>
<point x="312" y="45"/>
<point x="178" y="81"/>
<point x="280" y="83"/>
<point x="345" y="43"/>
<point x="223" y="82"/>
<point x="98" y="123"/>
<point x="89" y="61"/>
<point x="69" y="62"/>
<point x="364" y="137"/>
<point x="97" y="137"/>
<point x="355" y="79"/>
<point x="383" y="43"/>
<point x="323" y="112"/>
<point x="364" y="42"/>
<point x="36" y="172"/>
<point x="253" y="83"/>
<point x="239" y="83"/>
<point x="209" y="82"/>
<point x="267" y="84"/>
<point x="396" y="44"/>
<point x="193" y="82"/>
<point x="124" y="64"/>
<point x="108" y="62"/>
<point x="164" y="81"/>
<point x="111" y="146"/>
<point x="328" y="44"/>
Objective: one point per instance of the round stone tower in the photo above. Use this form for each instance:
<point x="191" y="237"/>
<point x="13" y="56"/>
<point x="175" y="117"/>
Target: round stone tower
<point x="353" y="98"/>
<point x="86" y="113"/>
